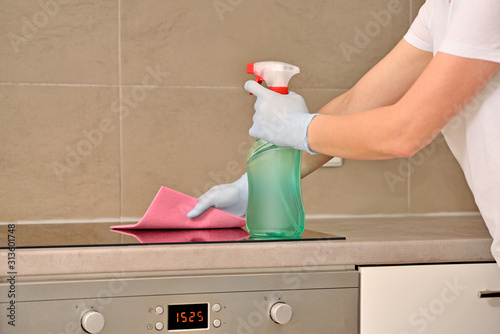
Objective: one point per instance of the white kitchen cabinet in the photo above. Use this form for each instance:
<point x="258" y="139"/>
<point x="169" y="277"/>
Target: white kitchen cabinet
<point x="430" y="299"/>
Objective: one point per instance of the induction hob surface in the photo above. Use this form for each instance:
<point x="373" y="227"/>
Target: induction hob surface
<point x="50" y="235"/>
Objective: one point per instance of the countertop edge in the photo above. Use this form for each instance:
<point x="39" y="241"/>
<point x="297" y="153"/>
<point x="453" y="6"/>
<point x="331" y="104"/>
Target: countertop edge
<point x="147" y="258"/>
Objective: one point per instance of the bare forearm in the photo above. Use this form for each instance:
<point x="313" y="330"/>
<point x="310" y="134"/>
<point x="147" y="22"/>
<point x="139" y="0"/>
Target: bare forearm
<point x="370" y="135"/>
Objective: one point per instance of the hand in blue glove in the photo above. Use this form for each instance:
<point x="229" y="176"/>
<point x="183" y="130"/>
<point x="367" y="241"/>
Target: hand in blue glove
<point x="231" y="198"/>
<point x="280" y="119"/>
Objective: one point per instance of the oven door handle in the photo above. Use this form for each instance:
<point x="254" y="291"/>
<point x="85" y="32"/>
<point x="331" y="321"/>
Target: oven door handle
<point x="488" y="294"/>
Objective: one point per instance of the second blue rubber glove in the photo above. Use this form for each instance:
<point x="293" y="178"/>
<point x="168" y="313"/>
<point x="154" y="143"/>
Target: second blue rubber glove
<point x="231" y="198"/>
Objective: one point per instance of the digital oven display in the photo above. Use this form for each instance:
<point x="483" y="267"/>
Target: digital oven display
<point x="188" y="316"/>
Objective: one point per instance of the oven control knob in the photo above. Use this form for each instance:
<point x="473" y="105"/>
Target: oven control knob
<point x="93" y="322"/>
<point x="281" y="313"/>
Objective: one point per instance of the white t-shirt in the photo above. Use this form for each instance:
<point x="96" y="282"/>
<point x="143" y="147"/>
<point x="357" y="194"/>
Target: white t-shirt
<point x="470" y="29"/>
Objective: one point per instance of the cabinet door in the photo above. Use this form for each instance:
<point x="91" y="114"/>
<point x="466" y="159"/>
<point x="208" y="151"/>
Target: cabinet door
<point x="430" y="299"/>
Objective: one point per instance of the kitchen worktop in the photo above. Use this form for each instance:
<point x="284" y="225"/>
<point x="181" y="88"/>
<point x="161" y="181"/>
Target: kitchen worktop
<point x="369" y="240"/>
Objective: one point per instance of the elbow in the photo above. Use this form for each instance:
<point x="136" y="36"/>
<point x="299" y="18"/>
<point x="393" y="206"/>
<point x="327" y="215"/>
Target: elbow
<point x="407" y="146"/>
<point x="396" y="149"/>
<point x="405" y="150"/>
<point x="408" y="136"/>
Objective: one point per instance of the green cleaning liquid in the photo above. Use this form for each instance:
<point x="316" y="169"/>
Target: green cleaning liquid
<point x="275" y="207"/>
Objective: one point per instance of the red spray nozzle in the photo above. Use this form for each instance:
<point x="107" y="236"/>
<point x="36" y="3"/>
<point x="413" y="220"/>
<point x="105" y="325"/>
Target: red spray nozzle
<point x="276" y="74"/>
<point x="250" y="70"/>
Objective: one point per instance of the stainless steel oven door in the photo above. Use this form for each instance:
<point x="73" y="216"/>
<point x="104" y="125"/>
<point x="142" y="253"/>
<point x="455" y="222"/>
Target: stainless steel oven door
<point x="292" y="301"/>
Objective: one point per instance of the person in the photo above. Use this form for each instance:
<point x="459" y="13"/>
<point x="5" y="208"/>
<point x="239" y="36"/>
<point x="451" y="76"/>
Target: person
<point x="441" y="77"/>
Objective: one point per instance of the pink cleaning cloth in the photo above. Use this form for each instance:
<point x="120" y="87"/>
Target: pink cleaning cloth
<point x="169" y="209"/>
<point x="175" y="236"/>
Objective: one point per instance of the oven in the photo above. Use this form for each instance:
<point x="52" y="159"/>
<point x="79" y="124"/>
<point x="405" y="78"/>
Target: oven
<point x="195" y="302"/>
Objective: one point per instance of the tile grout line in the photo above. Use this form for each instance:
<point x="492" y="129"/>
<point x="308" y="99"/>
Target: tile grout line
<point x="408" y="194"/>
<point x="55" y="84"/>
<point x="150" y="86"/>
<point x="120" y="127"/>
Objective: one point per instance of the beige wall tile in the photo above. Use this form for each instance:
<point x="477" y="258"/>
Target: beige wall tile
<point x="54" y="163"/>
<point x="437" y="183"/>
<point x="59" y="41"/>
<point x="205" y="44"/>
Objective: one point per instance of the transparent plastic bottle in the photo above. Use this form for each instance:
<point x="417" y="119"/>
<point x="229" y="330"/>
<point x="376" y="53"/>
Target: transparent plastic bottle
<point x="275" y="207"/>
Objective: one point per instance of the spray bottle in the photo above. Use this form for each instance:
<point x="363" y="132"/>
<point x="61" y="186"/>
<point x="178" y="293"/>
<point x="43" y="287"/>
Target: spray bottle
<point x="275" y="207"/>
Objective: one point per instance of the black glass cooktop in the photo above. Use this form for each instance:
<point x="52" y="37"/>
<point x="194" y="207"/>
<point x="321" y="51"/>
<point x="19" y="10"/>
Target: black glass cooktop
<point x="100" y="234"/>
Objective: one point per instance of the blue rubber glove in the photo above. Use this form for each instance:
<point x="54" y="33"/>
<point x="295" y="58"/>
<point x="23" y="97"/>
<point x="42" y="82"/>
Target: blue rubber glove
<point x="231" y="198"/>
<point x="280" y="119"/>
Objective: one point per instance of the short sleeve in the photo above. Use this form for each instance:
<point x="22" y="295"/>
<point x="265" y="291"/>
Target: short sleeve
<point x="473" y="30"/>
<point x="419" y="35"/>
